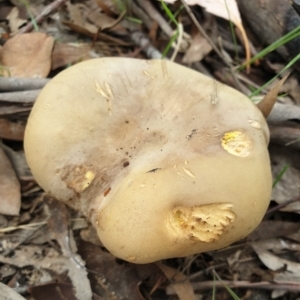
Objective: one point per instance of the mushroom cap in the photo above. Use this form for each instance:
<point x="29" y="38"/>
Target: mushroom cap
<point x="163" y="160"/>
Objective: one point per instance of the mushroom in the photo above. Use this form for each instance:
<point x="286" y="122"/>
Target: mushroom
<point x="164" y="161"/>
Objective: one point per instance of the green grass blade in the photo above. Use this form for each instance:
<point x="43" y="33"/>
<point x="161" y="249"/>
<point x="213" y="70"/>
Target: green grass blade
<point x="213" y="297"/>
<point x="168" y="12"/>
<point x="281" y="41"/>
<point x="279" y="176"/>
<point x="256" y="92"/>
<point x="232" y="31"/>
<point x="173" y="38"/>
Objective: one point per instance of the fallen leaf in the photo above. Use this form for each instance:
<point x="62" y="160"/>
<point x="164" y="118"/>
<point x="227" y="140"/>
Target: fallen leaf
<point x="286" y="271"/>
<point x="267" y="103"/>
<point x="12" y="130"/>
<point x="289" y="184"/>
<point x="180" y="283"/>
<point x="10" y="195"/>
<point x="14" y="21"/>
<point x="198" y="49"/>
<point x="270" y="229"/>
<point x="226" y="9"/>
<point x="59" y="224"/>
<point x="18" y="162"/>
<point x="110" y="279"/>
<point x="7" y="293"/>
<point x="27" y="55"/>
<point x="55" y="291"/>
<point x="65" y="54"/>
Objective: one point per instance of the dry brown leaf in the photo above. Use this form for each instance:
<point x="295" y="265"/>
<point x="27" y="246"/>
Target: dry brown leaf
<point x="286" y="271"/>
<point x="59" y="224"/>
<point x="78" y="16"/>
<point x="7" y="293"/>
<point x="226" y="9"/>
<point x="267" y="103"/>
<point x="180" y="283"/>
<point x="27" y="55"/>
<point x="14" y="21"/>
<point x="18" y="162"/>
<point x="10" y="195"/>
<point x="198" y="49"/>
<point x="11" y="130"/>
<point x="64" y="54"/>
<point x="110" y="279"/>
<point x="103" y="21"/>
<point x="289" y="184"/>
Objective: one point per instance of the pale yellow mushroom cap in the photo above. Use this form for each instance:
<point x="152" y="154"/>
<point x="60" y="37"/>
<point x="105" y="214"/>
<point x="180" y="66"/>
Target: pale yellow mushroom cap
<point x="164" y="161"/>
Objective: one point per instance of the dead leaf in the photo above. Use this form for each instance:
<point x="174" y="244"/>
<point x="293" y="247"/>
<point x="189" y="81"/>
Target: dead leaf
<point x="55" y="291"/>
<point x="7" y="293"/>
<point x="267" y="103"/>
<point x="59" y="224"/>
<point x="289" y="184"/>
<point x="10" y="195"/>
<point x="111" y="280"/>
<point x="78" y="16"/>
<point x="271" y="229"/>
<point x="180" y="283"/>
<point x="65" y="54"/>
<point x="102" y="21"/>
<point x="286" y="271"/>
<point x="18" y="162"/>
<point x="27" y="55"/>
<point x="283" y="112"/>
<point x="226" y="9"/>
<point x="12" y="130"/>
<point x="198" y="49"/>
<point x="14" y="21"/>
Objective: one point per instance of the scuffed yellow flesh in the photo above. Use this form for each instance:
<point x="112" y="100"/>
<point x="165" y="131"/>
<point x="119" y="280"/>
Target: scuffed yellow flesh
<point x="237" y="143"/>
<point x="201" y="223"/>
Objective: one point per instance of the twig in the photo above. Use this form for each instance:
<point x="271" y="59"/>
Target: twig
<point x="264" y="285"/>
<point x="155" y="15"/>
<point x="218" y="52"/>
<point x="178" y="43"/>
<point x="141" y="40"/>
<point x="21" y="84"/>
<point x="282" y="205"/>
<point x="286" y="136"/>
<point x="46" y="11"/>
<point x="141" y="14"/>
<point x="20" y="97"/>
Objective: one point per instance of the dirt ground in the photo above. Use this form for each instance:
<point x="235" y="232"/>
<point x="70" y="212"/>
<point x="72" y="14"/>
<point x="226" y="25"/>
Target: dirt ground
<point x="50" y="251"/>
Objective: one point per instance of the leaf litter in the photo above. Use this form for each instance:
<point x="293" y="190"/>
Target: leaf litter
<point x="47" y="249"/>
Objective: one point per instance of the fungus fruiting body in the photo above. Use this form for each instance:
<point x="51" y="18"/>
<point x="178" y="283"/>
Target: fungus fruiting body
<point x="160" y="167"/>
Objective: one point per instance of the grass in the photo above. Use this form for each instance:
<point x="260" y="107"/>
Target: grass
<point x="32" y="18"/>
<point x="229" y="290"/>
<point x="279" y="176"/>
<point x="176" y="34"/>
<point x="280" y="42"/>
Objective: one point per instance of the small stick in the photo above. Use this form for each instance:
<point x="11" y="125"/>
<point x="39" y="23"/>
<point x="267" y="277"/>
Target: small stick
<point x="20" y="97"/>
<point x="13" y="84"/>
<point x="46" y="11"/>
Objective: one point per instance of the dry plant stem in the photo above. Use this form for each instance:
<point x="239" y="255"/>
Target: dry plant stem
<point x="155" y="15"/>
<point x="141" y="14"/>
<point x="46" y="11"/>
<point x="11" y="130"/>
<point x="179" y="40"/>
<point x="282" y="205"/>
<point x="286" y="136"/>
<point x="21" y="84"/>
<point x="264" y="285"/>
<point x="20" y="97"/>
<point x="202" y="31"/>
<point x="142" y="41"/>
